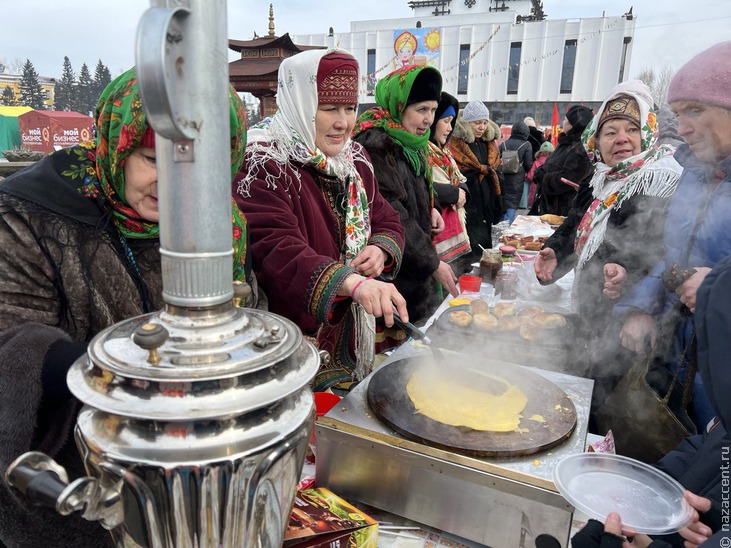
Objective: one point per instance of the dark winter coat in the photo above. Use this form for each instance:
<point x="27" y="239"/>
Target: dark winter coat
<point x="484" y="207"/>
<point x="408" y="193"/>
<point x="64" y="278"/>
<point x="569" y="161"/>
<point x="513" y="185"/>
<point x="535" y="138"/>
<point x="701" y="463"/>
<point x="633" y="235"/>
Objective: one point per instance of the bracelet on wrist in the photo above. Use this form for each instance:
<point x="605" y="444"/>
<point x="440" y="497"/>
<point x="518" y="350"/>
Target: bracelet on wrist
<point x="357" y="285"/>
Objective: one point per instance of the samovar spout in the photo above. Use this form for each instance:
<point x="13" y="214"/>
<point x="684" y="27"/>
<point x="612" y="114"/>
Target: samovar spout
<point x="43" y="482"/>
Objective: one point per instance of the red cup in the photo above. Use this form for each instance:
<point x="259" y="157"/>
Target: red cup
<point x="324" y="401"/>
<point x="469" y="284"/>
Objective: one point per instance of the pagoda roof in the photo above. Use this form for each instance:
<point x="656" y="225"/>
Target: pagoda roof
<point x="284" y="42"/>
<point x="254" y="67"/>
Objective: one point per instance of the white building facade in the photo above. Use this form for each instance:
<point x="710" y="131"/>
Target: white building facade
<point x="498" y="51"/>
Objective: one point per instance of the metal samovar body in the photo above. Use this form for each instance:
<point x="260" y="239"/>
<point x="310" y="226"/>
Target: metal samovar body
<point x="196" y="418"/>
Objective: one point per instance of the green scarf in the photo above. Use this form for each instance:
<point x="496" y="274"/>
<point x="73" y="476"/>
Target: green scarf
<point x="392" y="93"/>
<point x="96" y="168"/>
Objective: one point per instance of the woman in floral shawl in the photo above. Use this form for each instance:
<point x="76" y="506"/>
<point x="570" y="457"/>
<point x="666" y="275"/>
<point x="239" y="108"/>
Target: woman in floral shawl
<point x="474" y="146"/>
<point x="613" y="234"/>
<point x="321" y="232"/>
<point x="396" y="135"/>
<point x="79" y="233"/>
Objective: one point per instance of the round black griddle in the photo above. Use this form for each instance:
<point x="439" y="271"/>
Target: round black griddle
<point x="388" y="399"/>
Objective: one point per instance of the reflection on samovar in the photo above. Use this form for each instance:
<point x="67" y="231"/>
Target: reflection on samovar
<point x="196" y="417"/>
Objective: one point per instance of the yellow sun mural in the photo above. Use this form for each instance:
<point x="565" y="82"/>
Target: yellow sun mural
<point x="433" y="40"/>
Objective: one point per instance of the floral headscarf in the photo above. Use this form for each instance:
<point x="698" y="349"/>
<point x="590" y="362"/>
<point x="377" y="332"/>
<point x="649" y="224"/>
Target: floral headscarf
<point x="289" y="136"/>
<point x="96" y="167"/>
<point x="652" y="172"/>
<point x="392" y="94"/>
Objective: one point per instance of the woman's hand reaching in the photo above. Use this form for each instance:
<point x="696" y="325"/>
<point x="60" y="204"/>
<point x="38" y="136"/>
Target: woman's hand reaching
<point x="545" y="263"/>
<point x="370" y="261"/>
<point x="445" y="276"/>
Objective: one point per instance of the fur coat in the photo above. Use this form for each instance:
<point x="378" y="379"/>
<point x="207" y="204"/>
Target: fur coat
<point x="65" y="277"/>
<point x="409" y="196"/>
<point x="479" y="161"/>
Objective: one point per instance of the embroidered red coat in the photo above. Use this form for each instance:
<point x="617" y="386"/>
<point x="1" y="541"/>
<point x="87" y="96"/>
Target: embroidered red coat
<point x="297" y="238"/>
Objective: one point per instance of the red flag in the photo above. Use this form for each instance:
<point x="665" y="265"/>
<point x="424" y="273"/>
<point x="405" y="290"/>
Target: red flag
<point x="554" y="125"/>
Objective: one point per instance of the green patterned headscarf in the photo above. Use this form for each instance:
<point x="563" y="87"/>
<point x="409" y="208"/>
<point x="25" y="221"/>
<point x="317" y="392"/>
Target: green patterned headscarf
<point x="120" y="125"/>
<point x="392" y="95"/>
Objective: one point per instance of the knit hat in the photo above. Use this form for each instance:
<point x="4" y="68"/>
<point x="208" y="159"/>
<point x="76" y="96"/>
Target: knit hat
<point x="474" y="111"/>
<point x="427" y="86"/>
<point x="148" y="139"/>
<point x="623" y="107"/>
<point x="579" y="117"/>
<point x="546" y="148"/>
<point x="337" y="80"/>
<point x="530" y="122"/>
<point x="705" y="78"/>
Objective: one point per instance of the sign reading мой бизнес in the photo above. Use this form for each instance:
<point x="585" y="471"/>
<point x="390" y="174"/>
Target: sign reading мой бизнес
<point x="49" y="131"/>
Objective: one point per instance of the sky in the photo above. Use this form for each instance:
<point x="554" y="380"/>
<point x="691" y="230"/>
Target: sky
<point x="668" y="32"/>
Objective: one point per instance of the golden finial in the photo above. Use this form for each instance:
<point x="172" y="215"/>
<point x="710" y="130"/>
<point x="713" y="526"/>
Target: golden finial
<point x="271" y="19"/>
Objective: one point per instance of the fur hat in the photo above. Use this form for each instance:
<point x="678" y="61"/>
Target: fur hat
<point x="475" y="111"/>
<point x="705" y="78"/>
<point x="427" y="86"/>
<point x="579" y="117"/>
<point x="529" y="121"/>
<point x="337" y="80"/>
<point x="623" y="107"/>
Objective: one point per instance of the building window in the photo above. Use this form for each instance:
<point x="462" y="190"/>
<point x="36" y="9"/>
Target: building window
<point x="514" y="68"/>
<point x="371" y="84"/>
<point x="569" y="62"/>
<point x="464" y="69"/>
<point x="627" y="40"/>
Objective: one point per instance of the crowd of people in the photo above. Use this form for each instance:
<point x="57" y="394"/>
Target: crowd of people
<point x="341" y="219"/>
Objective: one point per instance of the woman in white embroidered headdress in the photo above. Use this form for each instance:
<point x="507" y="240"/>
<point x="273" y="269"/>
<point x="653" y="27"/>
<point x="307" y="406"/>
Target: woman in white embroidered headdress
<point x="613" y="234"/>
<point x="321" y="233"/>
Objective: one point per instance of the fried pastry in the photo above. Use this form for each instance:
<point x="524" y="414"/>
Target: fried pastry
<point x="531" y="311"/>
<point x="530" y="330"/>
<point x="550" y="321"/>
<point x="508" y="323"/>
<point x="504" y="309"/>
<point x="478" y="306"/>
<point x="462" y="318"/>
<point x="484" y="322"/>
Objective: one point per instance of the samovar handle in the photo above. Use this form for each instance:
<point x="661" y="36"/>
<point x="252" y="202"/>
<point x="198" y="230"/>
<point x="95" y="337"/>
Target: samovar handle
<point x="43" y="482"/>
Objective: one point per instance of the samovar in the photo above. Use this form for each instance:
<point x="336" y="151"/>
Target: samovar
<point x="196" y="418"/>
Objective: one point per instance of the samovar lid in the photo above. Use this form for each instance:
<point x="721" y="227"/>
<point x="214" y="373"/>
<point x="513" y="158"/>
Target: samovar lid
<point x="200" y="366"/>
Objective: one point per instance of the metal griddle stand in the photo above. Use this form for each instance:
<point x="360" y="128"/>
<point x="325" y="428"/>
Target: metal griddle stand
<point x="502" y="503"/>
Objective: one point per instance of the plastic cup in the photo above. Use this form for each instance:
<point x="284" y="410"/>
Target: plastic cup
<point x="324" y="401"/>
<point x="469" y="284"/>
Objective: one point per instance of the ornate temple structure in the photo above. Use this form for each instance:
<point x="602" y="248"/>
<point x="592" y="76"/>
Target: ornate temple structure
<point x="256" y="71"/>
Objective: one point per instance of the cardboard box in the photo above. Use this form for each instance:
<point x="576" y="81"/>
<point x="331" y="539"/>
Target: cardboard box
<point x="321" y="518"/>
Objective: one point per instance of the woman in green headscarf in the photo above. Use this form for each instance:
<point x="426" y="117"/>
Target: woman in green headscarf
<point x="79" y="234"/>
<point x="396" y="135"/>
